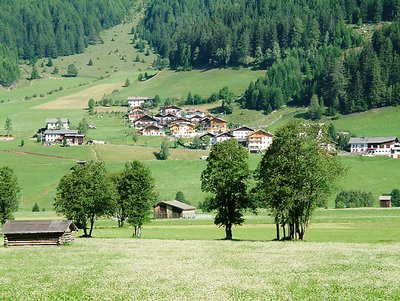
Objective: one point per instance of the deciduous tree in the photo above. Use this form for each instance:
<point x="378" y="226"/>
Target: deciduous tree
<point x="9" y="193"/>
<point x="85" y="194"/>
<point x="226" y="178"/>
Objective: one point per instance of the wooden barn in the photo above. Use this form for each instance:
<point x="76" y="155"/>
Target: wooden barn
<point x="173" y="209"/>
<point x="38" y="232"/>
<point x="385" y="201"/>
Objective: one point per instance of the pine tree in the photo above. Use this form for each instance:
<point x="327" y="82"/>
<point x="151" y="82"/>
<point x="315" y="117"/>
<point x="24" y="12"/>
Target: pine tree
<point x="34" y="74"/>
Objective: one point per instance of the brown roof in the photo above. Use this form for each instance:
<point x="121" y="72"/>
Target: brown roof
<point x="178" y="204"/>
<point x="38" y="226"/>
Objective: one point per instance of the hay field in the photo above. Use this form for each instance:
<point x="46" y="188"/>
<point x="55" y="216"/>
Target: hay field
<point x="80" y="100"/>
<point x="152" y="269"/>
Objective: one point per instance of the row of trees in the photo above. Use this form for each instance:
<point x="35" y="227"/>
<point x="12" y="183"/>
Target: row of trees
<point x="34" y="29"/>
<point x="89" y="191"/>
<point x="294" y="177"/>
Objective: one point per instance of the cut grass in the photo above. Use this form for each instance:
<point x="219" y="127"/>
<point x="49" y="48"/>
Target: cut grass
<point x="121" y="269"/>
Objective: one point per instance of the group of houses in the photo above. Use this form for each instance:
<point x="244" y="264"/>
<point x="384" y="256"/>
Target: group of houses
<point x="57" y="131"/>
<point x="188" y="123"/>
<point x="375" y="146"/>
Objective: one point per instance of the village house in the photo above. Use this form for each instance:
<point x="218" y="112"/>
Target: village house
<point x="221" y="137"/>
<point x="173" y="209"/>
<point x="241" y="133"/>
<point x="196" y="118"/>
<point x="173" y="110"/>
<point x="374" y="146"/>
<point x="214" y="125"/>
<point x="165" y="119"/>
<point x="57" y="123"/>
<point x="395" y="151"/>
<point x="38" y="232"/>
<point x="189" y="113"/>
<point x="136" y="113"/>
<point x="144" y="121"/>
<point x="259" y="141"/>
<point x="138" y="101"/>
<point x="182" y="128"/>
<point x="152" y="130"/>
<point x="72" y="137"/>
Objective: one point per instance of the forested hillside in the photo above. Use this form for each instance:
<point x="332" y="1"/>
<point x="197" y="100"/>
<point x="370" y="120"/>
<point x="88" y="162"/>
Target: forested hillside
<point x="308" y="47"/>
<point x="35" y="29"/>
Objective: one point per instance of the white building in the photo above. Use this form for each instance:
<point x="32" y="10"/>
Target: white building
<point x="57" y="123"/>
<point x="259" y="141"/>
<point x="241" y="133"/>
<point x="221" y="137"/>
<point x="72" y="137"/>
<point x="137" y="101"/>
<point x="374" y="146"/>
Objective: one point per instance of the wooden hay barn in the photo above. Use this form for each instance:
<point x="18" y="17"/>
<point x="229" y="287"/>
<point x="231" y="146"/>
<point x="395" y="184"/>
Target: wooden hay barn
<point x="38" y="232"/>
<point x="173" y="209"/>
<point x="385" y="201"/>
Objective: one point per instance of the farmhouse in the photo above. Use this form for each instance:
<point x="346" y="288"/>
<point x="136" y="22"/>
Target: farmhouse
<point x="165" y="119"/>
<point x="259" y="141"/>
<point x="144" y="121"/>
<point x="152" y="130"/>
<point x="395" y="151"/>
<point x="385" y="201"/>
<point x="214" y="125"/>
<point x="189" y="113"/>
<point x="196" y="118"/>
<point x="173" y="110"/>
<point x="221" y="137"/>
<point x="136" y="113"/>
<point x="72" y="137"/>
<point x="38" y="232"/>
<point x="379" y="146"/>
<point x="57" y="123"/>
<point x="241" y="133"/>
<point x="182" y="128"/>
<point x="137" y="101"/>
<point x="173" y="209"/>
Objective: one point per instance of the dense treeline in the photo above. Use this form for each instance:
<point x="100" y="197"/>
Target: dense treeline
<point x="34" y="29"/>
<point x="307" y="46"/>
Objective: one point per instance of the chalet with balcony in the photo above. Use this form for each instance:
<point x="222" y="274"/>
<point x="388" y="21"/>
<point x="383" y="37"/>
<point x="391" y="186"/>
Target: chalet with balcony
<point x="136" y="113"/>
<point x="144" y="121"/>
<point x="214" y="125"/>
<point x="374" y="146"/>
<point x="173" y="110"/>
<point x="152" y="130"/>
<point x="258" y="141"/>
<point x="165" y="119"/>
<point x="241" y="133"/>
<point x="221" y="137"/>
<point x="72" y="137"/>
<point x="182" y="128"/>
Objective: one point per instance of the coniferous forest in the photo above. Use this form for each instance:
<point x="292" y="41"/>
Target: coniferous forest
<point x="309" y="48"/>
<point x="35" y="29"/>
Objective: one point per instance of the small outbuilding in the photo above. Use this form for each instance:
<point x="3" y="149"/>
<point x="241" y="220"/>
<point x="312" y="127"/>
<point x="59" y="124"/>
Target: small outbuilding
<point x="385" y="201"/>
<point x="173" y="209"/>
<point x="38" y="232"/>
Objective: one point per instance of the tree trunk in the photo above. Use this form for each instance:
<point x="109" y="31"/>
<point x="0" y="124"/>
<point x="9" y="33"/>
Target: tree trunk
<point x="291" y="231"/>
<point x="277" y="231"/>
<point x="228" y="231"/>
<point x="284" y="231"/>
<point x="134" y="230"/>
<point x="91" y="225"/>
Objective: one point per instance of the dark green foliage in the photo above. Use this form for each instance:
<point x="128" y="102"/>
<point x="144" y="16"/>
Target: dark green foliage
<point x="90" y="63"/>
<point x="316" y="110"/>
<point x="9" y="192"/>
<point x="85" y="194"/>
<point x="127" y="83"/>
<point x="35" y="208"/>
<point x="55" y="71"/>
<point x="8" y="126"/>
<point x="83" y="126"/>
<point x="22" y="143"/>
<point x="395" y="194"/>
<point x="226" y="178"/>
<point x="136" y="195"/>
<point x="72" y="71"/>
<point x="163" y="154"/>
<point x="354" y="199"/>
<point x="180" y="196"/>
<point x="295" y="176"/>
<point x="91" y="105"/>
<point x="36" y="29"/>
<point x="34" y="74"/>
<point x="49" y="63"/>
<point x="140" y="77"/>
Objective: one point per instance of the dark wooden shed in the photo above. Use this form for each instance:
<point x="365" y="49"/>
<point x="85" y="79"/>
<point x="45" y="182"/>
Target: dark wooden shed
<point x="173" y="209"/>
<point x="385" y="201"/>
<point x="38" y="232"/>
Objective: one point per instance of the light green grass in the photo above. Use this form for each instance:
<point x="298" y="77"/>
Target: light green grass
<point x="121" y="269"/>
<point x="377" y="122"/>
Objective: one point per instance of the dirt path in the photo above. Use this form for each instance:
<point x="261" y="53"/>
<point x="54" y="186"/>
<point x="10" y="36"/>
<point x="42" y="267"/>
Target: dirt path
<point x="36" y="154"/>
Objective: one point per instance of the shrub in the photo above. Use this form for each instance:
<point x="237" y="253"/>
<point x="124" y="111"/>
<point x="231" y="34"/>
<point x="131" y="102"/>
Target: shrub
<point x="354" y="199"/>
<point x="35" y="208"/>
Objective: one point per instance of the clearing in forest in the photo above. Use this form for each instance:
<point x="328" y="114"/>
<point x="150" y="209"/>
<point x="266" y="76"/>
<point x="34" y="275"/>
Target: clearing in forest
<point x="80" y="100"/>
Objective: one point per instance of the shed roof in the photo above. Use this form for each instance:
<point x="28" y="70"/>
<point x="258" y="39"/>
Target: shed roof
<point x="55" y="120"/>
<point x="385" y="198"/>
<point x="178" y="204"/>
<point x="38" y="226"/>
<point x="61" y="132"/>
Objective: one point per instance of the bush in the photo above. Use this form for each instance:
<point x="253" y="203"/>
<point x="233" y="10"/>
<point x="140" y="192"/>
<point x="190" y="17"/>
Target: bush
<point x="354" y="199"/>
<point x="35" y="208"/>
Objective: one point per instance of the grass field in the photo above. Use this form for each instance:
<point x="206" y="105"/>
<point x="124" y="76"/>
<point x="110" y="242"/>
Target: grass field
<point x="141" y="269"/>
